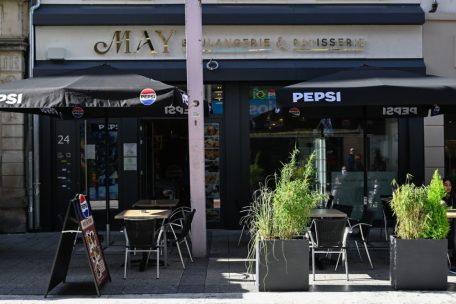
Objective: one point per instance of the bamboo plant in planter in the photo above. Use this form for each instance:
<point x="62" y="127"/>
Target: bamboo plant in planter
<point x="277" y="219"/>
<point x="418" y="252"/>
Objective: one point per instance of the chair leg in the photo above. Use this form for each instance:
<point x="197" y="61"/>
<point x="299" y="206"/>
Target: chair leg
<point x="337" y="263"/>
<point x="180" y="254"/>
<point x="449" y="261"/>
<point x="313" y="263"/>
<point x="240" y="237"/>
<point x="147" y="260"/>
<point x="125" y="264"/>
<point x="158" y="263"/>
<point x="188" y="249"/>
<point x="346" y="262"/>
<point x="359" y="253"/>
<point x="368" y="255"/>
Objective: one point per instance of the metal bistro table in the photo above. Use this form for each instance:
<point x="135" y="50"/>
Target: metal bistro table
<point x="156" y="203"/>
<point x="327" y="213"/>
<point x="157" y="214"/>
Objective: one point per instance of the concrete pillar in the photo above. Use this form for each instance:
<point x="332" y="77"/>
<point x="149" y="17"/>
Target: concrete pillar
<point x="13" y="46"/>
<point x="195" y="89"/>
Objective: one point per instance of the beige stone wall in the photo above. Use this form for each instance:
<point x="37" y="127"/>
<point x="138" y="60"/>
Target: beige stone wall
<point x="13" y="48"/>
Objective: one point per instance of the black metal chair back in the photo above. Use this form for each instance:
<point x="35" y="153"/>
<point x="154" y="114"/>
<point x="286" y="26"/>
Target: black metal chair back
<point x="140" y="233"/>
<point x="186" y="226"/>
<point x="388" y="213"/>
<point x="330" y="233"/>
<point x="367" y="218"/>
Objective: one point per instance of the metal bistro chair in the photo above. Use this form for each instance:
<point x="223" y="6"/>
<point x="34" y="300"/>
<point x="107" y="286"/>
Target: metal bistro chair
<point x="326" y="234"/>
<point x="360" y="230"/>
<point x="179" y="214"/>
<point x="389" y="220"/>
<point x="178" y="232"/>
<point x="141" y="236"/>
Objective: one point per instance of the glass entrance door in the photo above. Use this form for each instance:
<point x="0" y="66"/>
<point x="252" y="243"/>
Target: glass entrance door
<point x="94" y="152"/>
<point x="164" y="160"/>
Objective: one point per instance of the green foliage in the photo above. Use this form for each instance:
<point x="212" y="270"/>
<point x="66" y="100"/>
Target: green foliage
<point x="259" y="214"/>
<point x="419" y="211"/>
<point x="436" y="224"/>
<point x="258" y="219"/>
<point x="294" y="197"/>
<point x="283" y="212"/>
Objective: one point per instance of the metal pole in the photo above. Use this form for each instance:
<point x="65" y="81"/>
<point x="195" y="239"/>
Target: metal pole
<point x="33" y="171"/>
<point x="194" y="42"/>
<point x="106" y="129"/>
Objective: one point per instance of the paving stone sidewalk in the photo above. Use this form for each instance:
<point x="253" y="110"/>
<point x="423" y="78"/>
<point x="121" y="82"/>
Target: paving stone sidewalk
<point x="26" y="259"/>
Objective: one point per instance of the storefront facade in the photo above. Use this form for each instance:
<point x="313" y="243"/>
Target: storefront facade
<point x="13" y="126"/>
<point x="439" y="55"/>
<point x="251" y="50"/>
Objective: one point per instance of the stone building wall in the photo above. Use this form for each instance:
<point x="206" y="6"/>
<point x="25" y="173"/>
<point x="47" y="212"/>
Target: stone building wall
<point x="13" y="51"/>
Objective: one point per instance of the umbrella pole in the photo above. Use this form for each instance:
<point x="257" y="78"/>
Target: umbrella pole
<point x="106" y="128"/>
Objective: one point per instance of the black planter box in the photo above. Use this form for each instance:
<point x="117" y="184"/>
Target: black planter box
<point x="418" y="264"/>
<point x="282" y="265"/>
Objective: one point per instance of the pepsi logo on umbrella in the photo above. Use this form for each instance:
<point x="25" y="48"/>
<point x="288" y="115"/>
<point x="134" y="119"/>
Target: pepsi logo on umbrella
<point x="147" y="97"/>
<point x="77" y="112"/>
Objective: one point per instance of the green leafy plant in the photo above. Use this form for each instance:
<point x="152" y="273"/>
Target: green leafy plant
<point x="282" y="212"/>
<point x="294" y="197"/>
<point x="419" y="211"/>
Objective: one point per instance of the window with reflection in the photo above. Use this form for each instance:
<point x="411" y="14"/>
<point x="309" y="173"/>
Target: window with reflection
<point x="356" y="157"/>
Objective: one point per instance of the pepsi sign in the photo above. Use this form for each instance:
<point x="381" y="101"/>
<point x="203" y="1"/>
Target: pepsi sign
<point x="147" y="97"/>
<point x="11" y="98"/>
<point x="85" y="211"/>
<point x="77" y="112"/>
<point x="294" y="112"/>
<point x="317" y="97"/>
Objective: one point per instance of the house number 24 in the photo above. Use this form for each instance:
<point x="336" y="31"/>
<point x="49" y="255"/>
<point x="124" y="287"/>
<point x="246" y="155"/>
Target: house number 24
<point x="63" y="139"/>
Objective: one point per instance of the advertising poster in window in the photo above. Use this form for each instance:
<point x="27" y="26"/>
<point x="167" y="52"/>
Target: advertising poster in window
<point x="212" y="166"/>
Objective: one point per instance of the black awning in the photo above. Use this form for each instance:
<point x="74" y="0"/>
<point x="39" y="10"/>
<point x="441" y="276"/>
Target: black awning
<point x="93" y="92"/>
<point x="367" y="86"/>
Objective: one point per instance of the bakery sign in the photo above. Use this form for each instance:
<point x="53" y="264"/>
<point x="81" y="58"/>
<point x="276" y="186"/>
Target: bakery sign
<point x="128" y="42"/>
<point x="168" y="42"/>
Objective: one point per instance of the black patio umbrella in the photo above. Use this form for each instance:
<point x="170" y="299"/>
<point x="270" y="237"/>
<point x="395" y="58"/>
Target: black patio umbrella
<point x="101" y="91"/>
<point x="93" y="92"/>
<point x="369" y="86"/>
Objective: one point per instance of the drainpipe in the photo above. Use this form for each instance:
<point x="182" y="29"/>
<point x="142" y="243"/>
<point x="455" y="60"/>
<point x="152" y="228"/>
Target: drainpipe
<point x="32" y="148"/>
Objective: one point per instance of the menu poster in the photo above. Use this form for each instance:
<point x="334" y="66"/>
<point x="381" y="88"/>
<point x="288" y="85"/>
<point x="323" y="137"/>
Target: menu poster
<point x="92" y="243"/>
<point x="78" y="217"/>
<point x="94" y="250"/>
